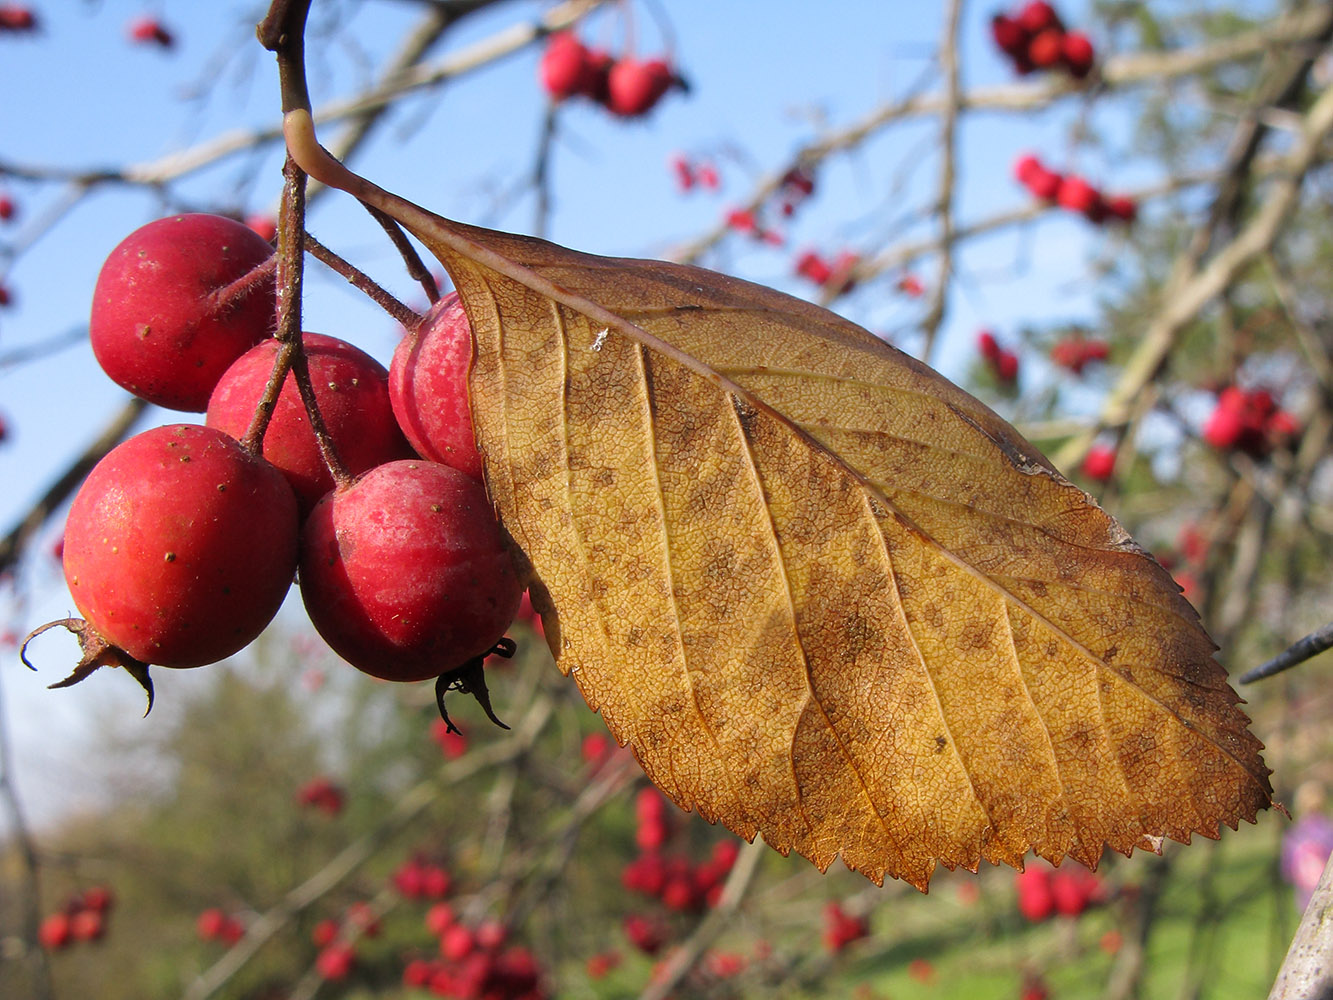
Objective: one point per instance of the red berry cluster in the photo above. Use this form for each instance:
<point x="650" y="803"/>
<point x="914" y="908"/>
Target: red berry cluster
<point x="403" y="569"/>
<point x="831" y="274"/>
<point x="841" y="928"/>
<point x="1002" y="362"/>
<point x="215" y="924"/>
<point x="689" y="174"/>
<point x="1044" y="892"/>
<point x="418" y="878"/>
<point x="82" y="917"/>
<point x="746" y="222"/>
<point x="475" y="962"/>
<point x="1075" y="353"/>
<point x="797" y="184"/>
<point x="1072" y="192"/>
<point x="1034" y="38"/>
<point x="322" y="794"/>
<point x="1249" y="421"/>
<point x="680" y="885"/>
<point x="148" y="30"/>
<point x="627" y="87"/>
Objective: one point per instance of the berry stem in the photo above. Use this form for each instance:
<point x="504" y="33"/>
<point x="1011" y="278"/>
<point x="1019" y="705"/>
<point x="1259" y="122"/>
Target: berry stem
<point x="229" y="295"/>
<point x="366" y="284"/>
<point x="415" y="267"/>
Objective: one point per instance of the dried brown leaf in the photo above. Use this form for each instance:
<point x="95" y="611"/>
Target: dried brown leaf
<point x="827" y="596"/>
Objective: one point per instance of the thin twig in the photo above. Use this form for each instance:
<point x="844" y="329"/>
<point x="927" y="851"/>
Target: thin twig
<point x="416" y="268"/>
<point x="401" y="313"/>
<point x="1298" y="652"/>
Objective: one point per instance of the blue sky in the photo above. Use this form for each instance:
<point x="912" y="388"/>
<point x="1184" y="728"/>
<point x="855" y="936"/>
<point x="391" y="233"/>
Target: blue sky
<point x="83" y="97"/>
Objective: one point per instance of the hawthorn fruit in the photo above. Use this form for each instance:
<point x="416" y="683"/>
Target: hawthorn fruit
<point x="176" y="302"/>
<point x="405" y="573"/>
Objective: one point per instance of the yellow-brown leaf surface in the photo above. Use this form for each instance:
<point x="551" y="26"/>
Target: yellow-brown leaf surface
<point x="827" y="596"/>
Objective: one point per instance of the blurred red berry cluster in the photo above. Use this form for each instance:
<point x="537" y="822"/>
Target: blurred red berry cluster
<point x="1044" y="892"/>
<point x="215" y="924"/>
<point x="677" y="882"/>
<point x="322" y="794"/>
<point x="690" y="174"/>
<point x="417" y="878"/>
<point x="475" y="961"/>
<point x="1002" y="362"/>
<point x="1034" y="38"/>
<point x="82" y="917"/>
<point x="833" y="274"/>
<point x="1072" y="192"/>
<point x="628" y="87"/>
<point x="841" y="928"/>
<point x="1074" y="353"/>
<point x="1249" y="421"/>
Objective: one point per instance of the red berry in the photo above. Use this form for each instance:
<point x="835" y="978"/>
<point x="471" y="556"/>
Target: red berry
<point x="210" y="923"/>
<point x="352" y="390"/>
<point x="743" y="221"/>
<point x="1099" y="463"/>
<point x="491" y="935"/>
<point x="452" y="740"/>
<point x="457" y="942"/>
<point x="335" y="962"/>
<point x="1077" y="51"/>
<point x="87" y="925"/>
<point x="1122" y="208"/>
<point x="634" y="87"/>
<point x="811" y="265"/>
<point x="150" y="30"/>
<point x="428" y="387"/>
<point x="180" y="545"/>
<point x="708" y="177"/>
<point x="7" y="208"/>
<point x="1044" y="184"/>
<point x="1037" y="15"/>
<point x="1046" y="48"/>
<point x="54" y="931"/>
<point x="1078" y="195"/>
<point x="564" y="69"/>
<point x="405" y="573"/>
<point x="418" y="972"/>
<point x="439" y="918"/>
<point x="98" y="898"/>
<point x="1010" y="36"/>
<point x="324" y="933"/>
<point x="167" y="318"/>
<point x="17" y="17"/>
<point x="1035" y="900"/>
<point x="264" y="226"/>
<point x="603" y="962"/>
<point x="645" y="934"/>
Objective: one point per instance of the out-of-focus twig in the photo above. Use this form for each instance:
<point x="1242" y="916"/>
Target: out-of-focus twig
<point x="1307" y="972"/>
